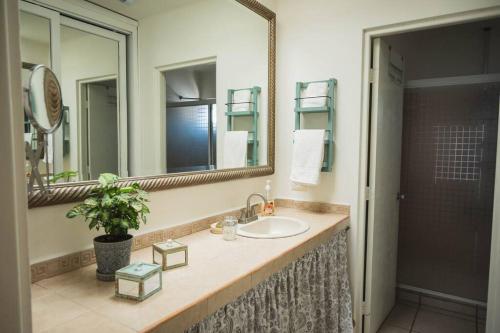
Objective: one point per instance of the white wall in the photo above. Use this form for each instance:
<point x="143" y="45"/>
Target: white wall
<point x="35" y="52"/>
<point x="212" y="28"/>
<point x="319" y="39"/>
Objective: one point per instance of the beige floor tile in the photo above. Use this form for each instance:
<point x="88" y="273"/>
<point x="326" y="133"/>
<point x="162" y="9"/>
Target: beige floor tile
<point x="391" y="329"/>
<point x="433" y="322"/>
<point x="38" y="291"/>
<point x="90" y="295"/>
<point x="82" y="275"/>
<point x="90" y="322"/>
<point x="128" y="312"/>
<point x="402" y="316"/>
<point x="52" y="310"/>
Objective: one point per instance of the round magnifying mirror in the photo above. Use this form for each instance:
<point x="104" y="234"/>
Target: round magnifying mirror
<point x="44" y="107"/>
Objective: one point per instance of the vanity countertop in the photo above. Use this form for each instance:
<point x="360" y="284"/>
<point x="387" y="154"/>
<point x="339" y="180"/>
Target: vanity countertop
<point x="218" y="272"/>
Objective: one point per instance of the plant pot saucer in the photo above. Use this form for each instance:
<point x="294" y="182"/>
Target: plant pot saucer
<point x="104" y="277"/>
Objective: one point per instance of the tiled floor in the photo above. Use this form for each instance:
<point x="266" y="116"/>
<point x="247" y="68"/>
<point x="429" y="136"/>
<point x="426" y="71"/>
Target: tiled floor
<point x="409" y="317"/>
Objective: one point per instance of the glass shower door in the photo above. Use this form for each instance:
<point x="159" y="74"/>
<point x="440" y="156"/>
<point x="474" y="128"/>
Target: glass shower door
<point x="448" y="172"/>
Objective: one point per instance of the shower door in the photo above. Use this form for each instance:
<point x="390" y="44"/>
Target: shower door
<point x="448" y="173"/>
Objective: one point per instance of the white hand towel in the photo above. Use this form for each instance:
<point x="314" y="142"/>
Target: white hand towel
<point x="313" y="90"/>
<point x="235" y="149"/>
<point x="242" y="97"/>
<point x="307" y="160"/>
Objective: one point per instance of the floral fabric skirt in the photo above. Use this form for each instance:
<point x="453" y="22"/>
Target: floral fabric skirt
<point x="311" y="294"/>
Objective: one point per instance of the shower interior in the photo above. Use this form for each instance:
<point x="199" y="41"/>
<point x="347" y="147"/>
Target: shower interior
<point x="450" y="124"/>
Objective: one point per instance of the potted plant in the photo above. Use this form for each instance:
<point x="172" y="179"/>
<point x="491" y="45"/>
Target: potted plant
<point x="116" y="210"/>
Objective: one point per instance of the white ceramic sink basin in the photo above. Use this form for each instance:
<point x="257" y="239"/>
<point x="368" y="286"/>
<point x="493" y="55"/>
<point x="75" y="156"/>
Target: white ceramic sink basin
<point x="273" y="227"/>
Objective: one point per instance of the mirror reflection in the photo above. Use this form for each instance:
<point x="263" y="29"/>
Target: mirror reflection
<point x="89" y="80"/>
<point x="198" y="100"/>
<point x="191" y="118"/>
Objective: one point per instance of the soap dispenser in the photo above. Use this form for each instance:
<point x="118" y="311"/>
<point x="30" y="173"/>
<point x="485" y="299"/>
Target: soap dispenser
<point x="269" y="208"/>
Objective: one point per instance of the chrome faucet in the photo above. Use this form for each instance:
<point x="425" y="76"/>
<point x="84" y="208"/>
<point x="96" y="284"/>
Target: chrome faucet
<point x="248" y="214"/>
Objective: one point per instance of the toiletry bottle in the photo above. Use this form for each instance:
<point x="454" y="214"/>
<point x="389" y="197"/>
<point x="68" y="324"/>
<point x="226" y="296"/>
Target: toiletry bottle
<point x="269" y="208"/>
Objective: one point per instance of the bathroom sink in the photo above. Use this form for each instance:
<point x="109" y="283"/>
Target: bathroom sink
<point x="272" y="227"/>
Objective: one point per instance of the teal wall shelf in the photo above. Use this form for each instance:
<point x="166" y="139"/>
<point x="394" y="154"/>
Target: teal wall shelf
<point x="253" y="141"/>
<point x="329" y="108"/>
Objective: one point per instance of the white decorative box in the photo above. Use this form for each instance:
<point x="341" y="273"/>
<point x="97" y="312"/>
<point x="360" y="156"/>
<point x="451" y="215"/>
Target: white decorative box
<point x="170" y="254"/>
<point x="138" y="281"/>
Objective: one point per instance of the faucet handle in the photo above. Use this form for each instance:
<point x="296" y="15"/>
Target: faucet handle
<point x="242" y="215"/>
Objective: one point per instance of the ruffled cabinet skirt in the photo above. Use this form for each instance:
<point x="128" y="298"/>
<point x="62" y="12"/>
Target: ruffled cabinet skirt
<point x="311" y="294"/>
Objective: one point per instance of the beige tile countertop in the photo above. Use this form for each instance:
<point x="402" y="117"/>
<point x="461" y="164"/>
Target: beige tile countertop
<point x="218" y="272"/>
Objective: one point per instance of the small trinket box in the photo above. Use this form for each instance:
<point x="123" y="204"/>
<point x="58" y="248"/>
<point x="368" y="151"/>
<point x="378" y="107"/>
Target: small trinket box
<point x="138" y="281"/>
<point x="170" y="254"/>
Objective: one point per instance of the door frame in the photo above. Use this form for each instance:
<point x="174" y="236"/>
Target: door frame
<point x="161" y="99"/>
<point x="15" y="278"/>
<point x="80" y="86"/>
<point x="360" y="307"/>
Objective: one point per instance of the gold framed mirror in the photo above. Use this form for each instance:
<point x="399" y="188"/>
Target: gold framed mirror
<point x="262" y="162"/>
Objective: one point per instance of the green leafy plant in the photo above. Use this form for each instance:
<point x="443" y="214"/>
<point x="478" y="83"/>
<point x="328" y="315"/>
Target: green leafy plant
<point x="113" y="208"/>
<point x="66" y="175"/>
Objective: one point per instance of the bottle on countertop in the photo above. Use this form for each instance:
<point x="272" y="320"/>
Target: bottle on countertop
<point x="269" y="208"/>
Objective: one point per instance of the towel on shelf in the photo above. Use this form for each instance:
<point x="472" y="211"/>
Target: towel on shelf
<point x="242" y="97"/>
<point x="307" y="159"/>
<point x="235" y="149"/>
<point x="314" y="89"/>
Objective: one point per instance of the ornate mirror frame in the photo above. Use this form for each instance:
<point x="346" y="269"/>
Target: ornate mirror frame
<point x="77" y="191"/>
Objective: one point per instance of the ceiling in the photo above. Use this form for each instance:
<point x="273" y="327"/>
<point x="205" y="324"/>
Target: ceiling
<point x="138" y="9"/>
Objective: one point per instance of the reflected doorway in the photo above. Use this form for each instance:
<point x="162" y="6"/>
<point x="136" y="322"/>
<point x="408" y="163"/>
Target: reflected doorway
<point x="98" y="128"/>
<point x="191" y="118"/>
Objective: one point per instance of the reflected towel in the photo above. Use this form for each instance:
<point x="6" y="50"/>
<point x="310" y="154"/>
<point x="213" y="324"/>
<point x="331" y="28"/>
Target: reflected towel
<point x="313" y="90"/>
<point x="242" y="97"/>
<point x="307" y="160"/>
<point x="235" y="149"/>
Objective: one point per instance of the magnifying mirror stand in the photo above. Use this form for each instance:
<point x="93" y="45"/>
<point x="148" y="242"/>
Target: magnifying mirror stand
<point x="44" y="108"/>
<point x="34" y="157"/>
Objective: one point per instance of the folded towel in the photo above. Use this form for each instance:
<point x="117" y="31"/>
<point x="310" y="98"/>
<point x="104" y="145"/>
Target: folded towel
<point x="235" y="149"/>
<point x="243" y="98"/>
<point x="307" y="160"/>
<point x="312" y="90"/>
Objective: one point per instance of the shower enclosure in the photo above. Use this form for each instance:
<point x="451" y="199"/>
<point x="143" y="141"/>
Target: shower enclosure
<point x="447" y="185"/>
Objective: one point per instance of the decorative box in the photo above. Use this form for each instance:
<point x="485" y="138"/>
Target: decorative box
<point x="138" y="281"/>
<point x="170" y="254"/>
